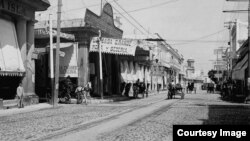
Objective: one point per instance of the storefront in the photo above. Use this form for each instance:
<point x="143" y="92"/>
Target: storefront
<point x="17" y="46"/>
<point x="240" y="70"/>
<point x="84" y="29"/>
<point x="134" y="68"/>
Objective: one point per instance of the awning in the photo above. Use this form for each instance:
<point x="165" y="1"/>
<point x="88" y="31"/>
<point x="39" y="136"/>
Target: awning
<point x="164" y="64"/>
<point x="114" y="46"/>
<point x="11" y="63"/>
<point x="126" y="75"/>
<point x="141" y="73"/>
<point x="240" y="64"/>
<point x="239" y="69"/>
<point x="133" y="72"/>
<point x="124" y="68"/>
<point x="240" y="73"/>
<point x="138" y="72"/>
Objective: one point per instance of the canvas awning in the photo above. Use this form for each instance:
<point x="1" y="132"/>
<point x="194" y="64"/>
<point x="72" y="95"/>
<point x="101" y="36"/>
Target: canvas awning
<point x="124" y="68"/>
<point x="241" y="63"/>
<point x="239" y="69"/>
<point x="11" y="63"/>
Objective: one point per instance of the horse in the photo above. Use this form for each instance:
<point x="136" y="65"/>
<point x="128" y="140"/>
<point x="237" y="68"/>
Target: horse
<point x="82" y="92"/>
<point x="139" y="88"/>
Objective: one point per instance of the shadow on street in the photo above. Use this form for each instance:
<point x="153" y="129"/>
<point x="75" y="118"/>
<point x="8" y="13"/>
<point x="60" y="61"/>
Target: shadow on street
<point x="228" y="114"/>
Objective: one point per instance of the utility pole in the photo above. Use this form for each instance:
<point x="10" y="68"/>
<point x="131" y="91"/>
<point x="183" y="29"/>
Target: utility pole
<point x="100" y="59"/>
<point x="51" y="58"/>
<point x="56" y="88"/>
<point x="100" y="64"/>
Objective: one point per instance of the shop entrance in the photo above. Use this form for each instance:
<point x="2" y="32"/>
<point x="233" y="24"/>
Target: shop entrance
<point x="8" y="86"/>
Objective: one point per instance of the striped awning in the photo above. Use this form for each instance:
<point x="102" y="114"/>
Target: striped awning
<point x="11" y="63"/>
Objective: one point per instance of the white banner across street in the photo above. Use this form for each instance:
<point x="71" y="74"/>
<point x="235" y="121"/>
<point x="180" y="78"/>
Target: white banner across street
<point x="114" y="46"/>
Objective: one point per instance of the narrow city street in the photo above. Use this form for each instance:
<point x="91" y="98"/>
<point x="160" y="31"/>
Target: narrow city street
<point x="155" y="121"/>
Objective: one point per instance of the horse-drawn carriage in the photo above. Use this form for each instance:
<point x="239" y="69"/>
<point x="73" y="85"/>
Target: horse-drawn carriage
<point x="139" y="88"/>
<point x="175" y="90"/>
<point x="190" y="88"/>
<point x="210" y="88"/>
<point x="67" y="91"/>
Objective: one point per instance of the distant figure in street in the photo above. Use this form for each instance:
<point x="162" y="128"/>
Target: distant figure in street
<point x="20" y="93"/>
<point x="171" y="90"/>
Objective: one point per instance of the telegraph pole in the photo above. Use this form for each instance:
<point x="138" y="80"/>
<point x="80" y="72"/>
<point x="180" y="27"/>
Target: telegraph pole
<point x="51" y="59"/>
<point x="100" y="64"/>
<point x="100" y="59"/>
<point x="56" y="88"/>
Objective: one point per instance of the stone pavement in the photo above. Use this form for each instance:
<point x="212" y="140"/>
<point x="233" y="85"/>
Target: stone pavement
<point x="40" y="106"/>
<point x="36" y="121"/>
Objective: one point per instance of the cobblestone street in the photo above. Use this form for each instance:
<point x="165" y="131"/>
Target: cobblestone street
<point x="195" y="109"/>
<point x="62" y="123"/>
<point x="33" y="125"/>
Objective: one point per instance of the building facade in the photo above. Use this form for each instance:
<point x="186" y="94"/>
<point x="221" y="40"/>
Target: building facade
<point x="17" y="20"/>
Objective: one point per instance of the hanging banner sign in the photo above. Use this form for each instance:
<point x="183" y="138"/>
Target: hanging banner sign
<point x="114" y="46"/>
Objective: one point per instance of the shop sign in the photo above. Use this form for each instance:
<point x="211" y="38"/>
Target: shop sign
<point x="12" y="6"/>
<point x="68" y="60"/>
<point x="114" y="46"/>
<point x="68" y="63"/>
<point x="44" y="33"/>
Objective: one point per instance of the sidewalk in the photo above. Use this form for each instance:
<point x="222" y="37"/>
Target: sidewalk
<point x="26" y="109"/>
<point x="41" y="106"/>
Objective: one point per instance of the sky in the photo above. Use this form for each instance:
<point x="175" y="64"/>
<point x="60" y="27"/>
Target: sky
<point x="194" y="27"/>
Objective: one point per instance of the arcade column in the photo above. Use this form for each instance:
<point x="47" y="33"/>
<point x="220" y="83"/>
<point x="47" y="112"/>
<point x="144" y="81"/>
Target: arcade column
<point x="83" y="63"/>
<point x="31" y="97"/>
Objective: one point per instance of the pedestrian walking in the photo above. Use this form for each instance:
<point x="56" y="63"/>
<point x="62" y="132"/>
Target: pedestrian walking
<point x="20" y="93"/>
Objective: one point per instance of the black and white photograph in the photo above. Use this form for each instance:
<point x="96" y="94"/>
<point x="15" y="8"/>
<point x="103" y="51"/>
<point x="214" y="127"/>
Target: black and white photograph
<point x="124" y="70"/>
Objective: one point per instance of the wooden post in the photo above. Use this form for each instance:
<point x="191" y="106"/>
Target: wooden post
<point x="100" y="65"/>
<point x="55" y="97"/>
<point x="51" y="59"/>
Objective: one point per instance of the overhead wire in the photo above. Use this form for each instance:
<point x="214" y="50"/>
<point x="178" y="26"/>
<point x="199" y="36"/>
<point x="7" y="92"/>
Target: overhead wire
<point x="74" y="9"/>
<point x="132" y="17"/>
<point x="153" y="6"/>
<point x="202" y="37"/>
<point x="127" y="19"/>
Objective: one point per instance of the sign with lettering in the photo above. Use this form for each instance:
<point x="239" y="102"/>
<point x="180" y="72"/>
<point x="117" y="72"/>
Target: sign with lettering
<point x="12" y="6"/>
<point x="68" y="62"/>
<point x="42" y="33"/>
<point x="105" y="22"/>
<point x="114" y="46"/>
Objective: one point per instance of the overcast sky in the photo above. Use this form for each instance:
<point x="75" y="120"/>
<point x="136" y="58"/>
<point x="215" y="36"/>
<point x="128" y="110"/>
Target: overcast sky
<point x="194" y="27"/>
